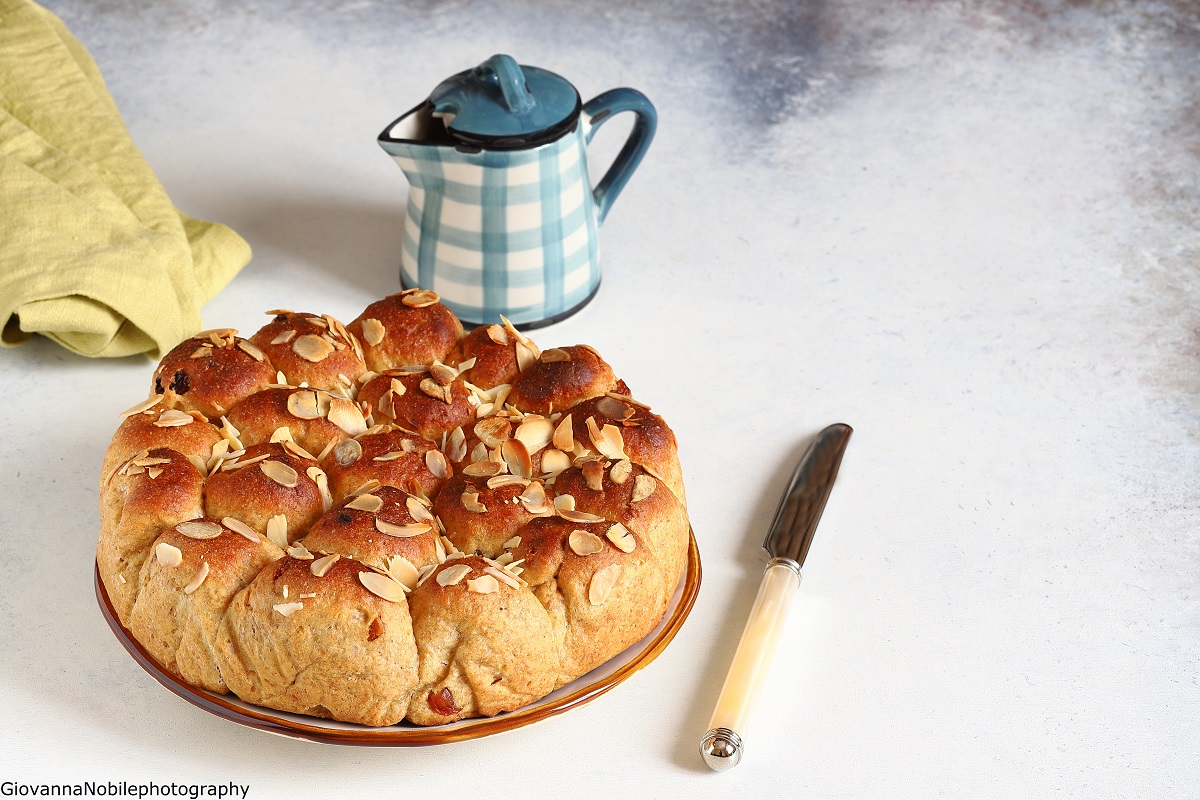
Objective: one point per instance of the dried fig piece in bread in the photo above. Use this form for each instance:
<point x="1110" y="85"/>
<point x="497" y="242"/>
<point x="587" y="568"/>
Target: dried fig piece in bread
<point x="210" y="372"/>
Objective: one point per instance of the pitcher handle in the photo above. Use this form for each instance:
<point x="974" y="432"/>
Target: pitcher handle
<point x="599" y="110"/>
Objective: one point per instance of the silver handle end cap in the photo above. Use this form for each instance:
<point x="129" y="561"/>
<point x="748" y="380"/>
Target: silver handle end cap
<point x="721" y="749"/>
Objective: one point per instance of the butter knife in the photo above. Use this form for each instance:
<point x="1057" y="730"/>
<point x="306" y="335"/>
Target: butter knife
<point x="787" y="542"/>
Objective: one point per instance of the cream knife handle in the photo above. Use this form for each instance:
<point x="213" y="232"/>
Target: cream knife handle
<point x="722" y="745"/>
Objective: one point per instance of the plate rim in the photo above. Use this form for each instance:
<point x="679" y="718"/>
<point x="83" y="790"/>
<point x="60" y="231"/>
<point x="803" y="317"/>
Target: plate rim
<point x="263" y="719"/>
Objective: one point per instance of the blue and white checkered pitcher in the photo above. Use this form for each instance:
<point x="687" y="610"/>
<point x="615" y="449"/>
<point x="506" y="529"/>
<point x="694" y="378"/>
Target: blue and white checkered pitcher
<point x="502" y="217"/>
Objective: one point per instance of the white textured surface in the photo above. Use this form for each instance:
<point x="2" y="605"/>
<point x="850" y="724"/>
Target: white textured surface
<point x="968" y="230"/>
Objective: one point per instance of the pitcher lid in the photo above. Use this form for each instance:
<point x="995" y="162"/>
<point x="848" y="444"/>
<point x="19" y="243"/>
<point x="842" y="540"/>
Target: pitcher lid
<point x="503" y="105"/>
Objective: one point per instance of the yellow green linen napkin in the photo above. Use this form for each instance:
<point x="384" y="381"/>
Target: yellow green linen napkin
<point x="92" y="252"/>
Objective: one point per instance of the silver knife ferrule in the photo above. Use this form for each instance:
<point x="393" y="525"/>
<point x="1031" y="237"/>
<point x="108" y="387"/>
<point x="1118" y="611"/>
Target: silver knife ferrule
<point x="786" y="562"/>
<point x="721" y="749"/>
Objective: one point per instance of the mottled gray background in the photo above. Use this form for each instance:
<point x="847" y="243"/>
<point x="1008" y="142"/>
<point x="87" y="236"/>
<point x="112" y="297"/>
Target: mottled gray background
<point x="969" y="229"/>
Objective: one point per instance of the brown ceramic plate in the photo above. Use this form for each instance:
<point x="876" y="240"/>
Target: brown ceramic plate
<point x="297" y="726"/>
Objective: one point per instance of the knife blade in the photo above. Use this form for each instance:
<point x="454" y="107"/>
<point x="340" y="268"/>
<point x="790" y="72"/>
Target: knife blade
<point x="787" y="543"/>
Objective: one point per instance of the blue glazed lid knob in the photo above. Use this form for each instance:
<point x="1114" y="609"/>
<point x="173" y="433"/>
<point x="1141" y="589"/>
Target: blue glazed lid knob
<point x="503" y="104"/>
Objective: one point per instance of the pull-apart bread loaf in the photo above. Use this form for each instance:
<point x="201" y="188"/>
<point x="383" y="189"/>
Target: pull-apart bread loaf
<point x="389" y="520"/>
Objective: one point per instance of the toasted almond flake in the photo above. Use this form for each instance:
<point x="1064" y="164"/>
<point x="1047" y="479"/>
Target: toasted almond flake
<point x="250" y="350"/>
<point x="281" y="473"/>
<point x="614" y="409"/>
<point x="436" y="462"/>
<point x="153" y="472"/>
<point x="347" y="453"/>
<point x="555" y="461"/>
<point x="585" y="543"/>
<point x="564" y="438"/>
<point x="373" y="331"/>
<point x="493" y="431"/>
<point x="534" y="499"/>
<point x="347" y="416"/>
<point x="419" y="511"/>
<point x="526" y="356"/>
<point x="602" y="584"/>
<point x="297" y="450"/>
<point x="497" y="334"/>
<point x="606" y="440"/>
<point x="512" y="543"/>
<point x="621" y="471"/>
<point x="484" y="584"/>
<point x="442" y="374"/>
<point x="240" y="528"/>
<point x="439" y="550"/>
<point x="277" y="527"/>
<point x="197" y="579"/>
<point x="199" y="529"/>
<point x="236" y="463"/>
<point x="383" y="586"/>
<point x="619" y="535"/>
<point x="299" y="552"/>
<point x="397" y="387"/>
<point x="287" y="609"/>
<point x="504" y="558"/>
<point x="643" y="487"/>
<point x="555" y="354"/>
<point x="318" y="476"/>
<point x="283" y="337"/>
<point x="403" y="572"/>
<point x="145" y="405"/>
<point x="452" y="575"/>
<point x="470" y="501"/>
<point x="276" y="312"/>
<point x="368" y="485"/>
<point x="579" y="516"/>
<point x="564" y="502"/>
<point x="281" y="434"/>
<point x="402" y="531"/>
<point x="504" y="576"/>
<point x="456" y="445"/>
<point x="168" y="554"/>
<point x="391" y="455"/>
<point x="321" y="566"/>
<point x="312" y="348"/>
<point x="499" y="481"/>
<point x="420" y="298"/>
<point x="535" y="432"/>
<point x="171" y="418"/>
<point x="516" y="456"/>
<point x="436" y="390"/>
<point x="366" y="502"/>
<point x="304" y="404"/>
<point x="593" y="473"/>
<point x="204" y="351"/>
<point x="199" y="463"/>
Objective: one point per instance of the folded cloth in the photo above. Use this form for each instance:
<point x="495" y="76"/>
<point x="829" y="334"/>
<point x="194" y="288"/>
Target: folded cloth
<point x="92" y="252"/>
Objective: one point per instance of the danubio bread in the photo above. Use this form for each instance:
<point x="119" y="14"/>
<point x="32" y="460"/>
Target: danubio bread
<point x="389" y="520"/>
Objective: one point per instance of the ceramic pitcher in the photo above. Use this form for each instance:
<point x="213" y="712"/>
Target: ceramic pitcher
<point x="502" y="217"/>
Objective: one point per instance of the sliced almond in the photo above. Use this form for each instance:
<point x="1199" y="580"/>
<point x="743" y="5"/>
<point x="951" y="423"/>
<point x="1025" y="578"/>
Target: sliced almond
<point x="145" y="405"/>
<point x="418" y="510"/>
<point x="297" y="450"/>
<point x="614" y="409"/>
<point x="366" y="502"/>
<point x="493" y="431"/>
<point x="391" y="455"/>
<point x="312" y="348"/>
<point x="383" y="586"/>
<point x="287" y="609"/>
<point x="403" y="572"/>
<point x="304" y="405"/>
<point x="555" y="354"/>
<point x="534" y="432"/>
<point x="436" y="390"/>
<point x="607" y="440"/>
<point x="564" y="436"/>
<point x="534" y="499"/>
<point x="277" y="528"/>
<point x="321" y="566"/>
<point x="281" y="434"/>
<point x="499" y="481"/>
<point x="199" y="529"/>
<point x="504" y="576"/>
<point x="420" y="298"/>
<point x="593" y="473"/>
<point x="318" y="476"/>
<point x="621" y="471"/>
<point x="555" y="461"/>
<point x="452" y="575"/>
<point x="402" y="531"/>
<point x="197" y="579"/>
<point x="512" y="543"/>
<point x="168" y="554"/>
<point x="497" y="334"/>
<point x="602" y="584"/>
<point x="579" y="516"/>
<point x="643" y="487"/>
<point x="516" y="456"/>
<point x="300" y="552"/>
<point x="283" y="337"/>
<point x="564" y="502"/>
<point x="250" y="350"/>
<point x="280" y="473"/>
<point x="442" y="374"/>
<point x="171" y="418"/>
<point x="436" y="462"/>
<point x="240" y="528"/>
<point x="373" y="331"/>
<point x="526" y="356"/>
<point x="470" y="501"/>
<point x="347" y="452"/>
<point x="347" y="416"/>
<point x="585" y="543"/>
<point x="620" y="536"/>
<point x="484" y="584"/>
<point x="368" y="485"/>
<point x="456" y="445"/>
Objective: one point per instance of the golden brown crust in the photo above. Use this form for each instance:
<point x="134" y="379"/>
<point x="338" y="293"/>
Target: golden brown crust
<point x="402" y="334"/>
<point x="310" y="348"/>
<point x="417" y="544"/>
<point x="210" y="373"/>
<point x="556" y="385"/>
